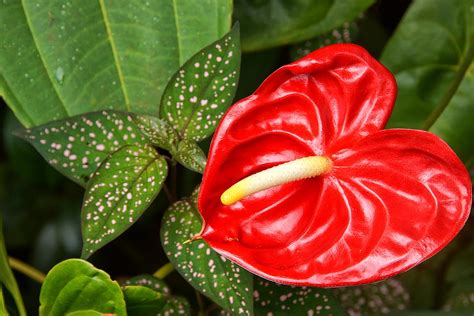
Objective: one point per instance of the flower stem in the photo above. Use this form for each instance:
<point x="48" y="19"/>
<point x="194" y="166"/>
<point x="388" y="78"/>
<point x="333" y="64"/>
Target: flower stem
<point x="164" y="271"/>
<point x="26" y="269"/>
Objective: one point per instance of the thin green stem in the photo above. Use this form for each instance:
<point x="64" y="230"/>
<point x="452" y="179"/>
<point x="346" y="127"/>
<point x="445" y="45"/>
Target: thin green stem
<point x="200" y="301"/>
<point x="164" y="271"/>
<point x="26" y="269"/>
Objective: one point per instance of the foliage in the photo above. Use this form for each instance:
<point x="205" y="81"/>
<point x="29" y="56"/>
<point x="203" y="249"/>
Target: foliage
<point x="121" y="97"/>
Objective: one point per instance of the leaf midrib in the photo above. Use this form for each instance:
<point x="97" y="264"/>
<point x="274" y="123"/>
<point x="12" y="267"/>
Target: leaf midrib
<point x="43" y="62"/>
<point x="114" y="49"/>
<point x="464" y="64"/>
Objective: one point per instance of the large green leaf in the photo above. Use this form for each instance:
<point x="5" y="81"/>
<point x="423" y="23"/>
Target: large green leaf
<point x="119" y="192"/>
<point x="198" y="94"/>
<point x="65" y="58"/>
<point x="216" y="277"/>
<point x="75" y="286"/>
<point x="7" y="279"/>
<point x="431" y="55"/>
<point x="269" y="23"/>
<point x="279" y="300"/>
<point x="77" y="146"/>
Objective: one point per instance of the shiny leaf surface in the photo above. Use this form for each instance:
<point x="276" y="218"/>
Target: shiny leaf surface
<point x="216" y="277"/>
<point x="77" y="287"/>
<point x="436" y="85"/>
<point x="86" y="56"/>
<point x="392" y="199"/>
<point x="119" y="192"/>
<point x="198" y="94"/>
<point x="270" y="23"/>
<point x="78" y="145"/>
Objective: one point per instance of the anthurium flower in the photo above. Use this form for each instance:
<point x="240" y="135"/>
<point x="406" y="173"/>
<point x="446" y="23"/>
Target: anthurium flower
<point x="304" y="187"/>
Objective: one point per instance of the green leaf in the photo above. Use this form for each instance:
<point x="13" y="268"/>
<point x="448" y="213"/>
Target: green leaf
<point x="222" y="281"/>
<point x="7" y="279"/>
<point x="150" y="282"/>
<point x="172" y="305"/>
<point x="346" y="33"/>
<point x="158" y="131"/>
<point x="142" y="301"/>
<point x="431" y="55"/>
<point x="190" y="155"/>
<point x="198" y="94"/>
<point x="119" y="192"/>
<point x="278" y="300"/>
<point x="270" y="23"/>
<point x="68" y="58"/>
<point x="373" y="299"/>
<point x="75" y="285"/>
<point x="78" y="145"/>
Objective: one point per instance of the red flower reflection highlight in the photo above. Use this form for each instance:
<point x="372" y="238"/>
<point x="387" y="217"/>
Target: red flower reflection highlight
<point x="386" y="201"/>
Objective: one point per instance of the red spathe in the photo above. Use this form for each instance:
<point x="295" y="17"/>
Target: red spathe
<point x="393" y="198"/>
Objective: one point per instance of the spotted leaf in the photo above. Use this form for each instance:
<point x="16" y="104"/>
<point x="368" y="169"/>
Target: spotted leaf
<point x="374" y="299"/>
<point x="119" y="192"/>
<point x="77" y="146"/>
<point x="158" y="131"/>
<point x="274" y="299"/>
<point x="174" y="305"/>
<point x="198" y="94"/>
<point x="190" y="155"/>
<point x="222" y="281"/>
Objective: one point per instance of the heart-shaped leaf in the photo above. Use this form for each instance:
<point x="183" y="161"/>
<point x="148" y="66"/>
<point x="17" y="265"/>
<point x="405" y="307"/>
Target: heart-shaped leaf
<point x="68" y="58"/>
<point x="174" y="305"/>
<point x="270" y="23"/>
<point x="119" y="192"/>
<point x="201" y="90"/>
<point x="157" y="131"/>
<point x="216" y="277"/>
<point x="190" y="155"/>
<point x="275" y="299"/>
<point x="374" y="299"/>
<point x="75" y="286"/>
<point x="435" y="85"/>
<point x="77" y="146"/>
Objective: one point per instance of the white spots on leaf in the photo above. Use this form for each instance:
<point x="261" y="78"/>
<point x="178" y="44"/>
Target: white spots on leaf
<point x="222" y="280"/>
<point x="120" y="192"/>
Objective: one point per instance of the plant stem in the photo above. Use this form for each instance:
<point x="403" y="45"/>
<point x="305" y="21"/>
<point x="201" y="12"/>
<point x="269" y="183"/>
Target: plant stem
<point x="169" y="196"/>
<point x="164" y="271"/>
<point x="26" y="269"/>
<point x="173" y="180"/>
<point x="200" y="303"/>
